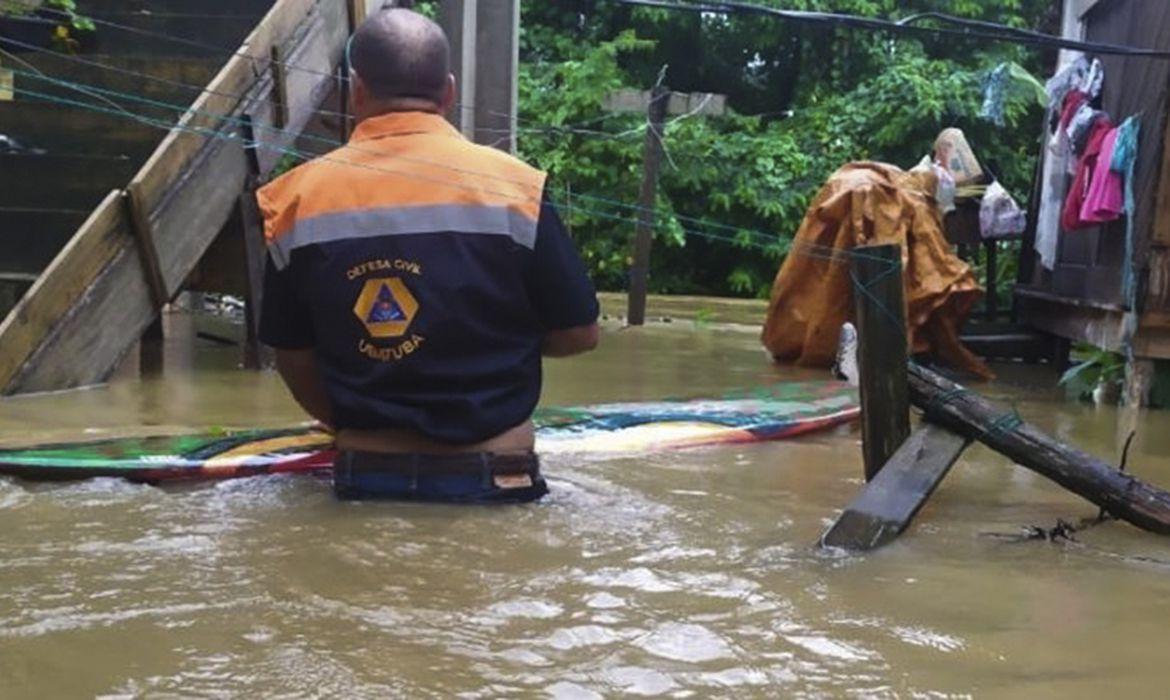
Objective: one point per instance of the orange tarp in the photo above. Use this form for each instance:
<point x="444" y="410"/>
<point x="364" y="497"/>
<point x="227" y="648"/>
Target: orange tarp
<point x="864" y="204"/>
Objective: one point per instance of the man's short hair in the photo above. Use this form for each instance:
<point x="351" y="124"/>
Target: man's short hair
<point x="400" y="53"/>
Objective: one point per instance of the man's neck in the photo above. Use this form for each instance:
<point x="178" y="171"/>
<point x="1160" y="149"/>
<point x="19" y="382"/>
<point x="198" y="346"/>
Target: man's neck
<point x="404" y="104"/>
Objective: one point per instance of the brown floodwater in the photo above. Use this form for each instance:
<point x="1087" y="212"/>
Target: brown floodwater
<point x="683" y="574"/>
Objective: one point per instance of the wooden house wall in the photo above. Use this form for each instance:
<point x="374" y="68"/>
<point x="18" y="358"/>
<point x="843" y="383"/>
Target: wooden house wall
<point x="1139" y="87"/>
<point x="1090" y="262"/>
<point x="1081" y="299"/>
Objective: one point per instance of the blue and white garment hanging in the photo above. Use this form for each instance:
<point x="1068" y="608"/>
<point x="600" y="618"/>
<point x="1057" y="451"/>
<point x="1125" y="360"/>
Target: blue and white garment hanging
<point x="1124" y="163"/>
<point x="1009" y="81"/>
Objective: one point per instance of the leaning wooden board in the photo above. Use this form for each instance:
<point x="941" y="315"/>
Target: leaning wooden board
<point x="774" y="412"/>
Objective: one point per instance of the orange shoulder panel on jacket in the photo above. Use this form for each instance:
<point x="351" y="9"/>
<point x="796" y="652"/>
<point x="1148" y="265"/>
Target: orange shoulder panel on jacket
<point x="417" y="169"/>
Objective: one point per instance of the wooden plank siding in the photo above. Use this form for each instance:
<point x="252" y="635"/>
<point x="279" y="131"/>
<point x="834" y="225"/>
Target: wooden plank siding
<point x="76" y="323"/>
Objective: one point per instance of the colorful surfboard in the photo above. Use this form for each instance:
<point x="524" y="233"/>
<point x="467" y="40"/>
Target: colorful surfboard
<point x="769" y="413"/>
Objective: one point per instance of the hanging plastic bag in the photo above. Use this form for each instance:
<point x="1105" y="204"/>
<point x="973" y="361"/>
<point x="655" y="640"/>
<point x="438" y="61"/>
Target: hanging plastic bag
<point x="944" y="187"/>
<point x="999" y="215"/>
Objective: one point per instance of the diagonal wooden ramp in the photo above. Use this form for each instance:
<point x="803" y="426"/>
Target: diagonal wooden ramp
<point x="137" y="248"/>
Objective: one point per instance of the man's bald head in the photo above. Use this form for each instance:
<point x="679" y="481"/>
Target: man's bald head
<point x="399" y="53"/>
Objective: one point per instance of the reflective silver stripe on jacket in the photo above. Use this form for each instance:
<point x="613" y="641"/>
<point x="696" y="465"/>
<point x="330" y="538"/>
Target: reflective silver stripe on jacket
<point x="400" y="221"/>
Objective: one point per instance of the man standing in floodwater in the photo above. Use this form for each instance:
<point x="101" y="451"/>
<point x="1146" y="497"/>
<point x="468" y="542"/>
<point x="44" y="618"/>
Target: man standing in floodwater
<point x="414" y="282"/>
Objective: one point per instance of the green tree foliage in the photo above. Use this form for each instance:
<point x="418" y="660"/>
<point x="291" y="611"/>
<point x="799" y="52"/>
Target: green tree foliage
<point x="805" y="98"/>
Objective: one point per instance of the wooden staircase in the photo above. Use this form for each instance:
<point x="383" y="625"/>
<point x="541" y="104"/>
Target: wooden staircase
<point x="76" y="156"/>
<point x="156" y="201"/>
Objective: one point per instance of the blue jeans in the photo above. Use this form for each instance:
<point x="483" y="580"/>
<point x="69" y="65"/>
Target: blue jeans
<point x="477" y="477"/>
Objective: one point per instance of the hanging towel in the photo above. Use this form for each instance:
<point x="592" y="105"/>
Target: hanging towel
<point x="1055" y="186"/>
<point x="1070" y="220"/>
<point x="1104" y="202"/>
<point x="1125" y="152"/>
<point x="1069" y="108"/>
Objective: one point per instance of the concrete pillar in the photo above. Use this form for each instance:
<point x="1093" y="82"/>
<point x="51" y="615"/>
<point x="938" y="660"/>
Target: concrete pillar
<point x="496" y="85"/>
<point x="485" y="57"/>
<point x="458" y="18"/>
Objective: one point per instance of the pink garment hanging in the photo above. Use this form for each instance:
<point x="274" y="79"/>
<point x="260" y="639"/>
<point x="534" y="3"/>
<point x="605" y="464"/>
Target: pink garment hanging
<point x="1105" y="201"/>
<point x="1070" y="219"/>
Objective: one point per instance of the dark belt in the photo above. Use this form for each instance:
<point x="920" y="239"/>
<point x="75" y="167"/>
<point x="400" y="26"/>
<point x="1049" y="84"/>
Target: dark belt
<point x="462" y="464"/>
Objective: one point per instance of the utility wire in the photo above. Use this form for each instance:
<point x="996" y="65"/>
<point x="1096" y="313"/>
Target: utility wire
<point x="37" y="73"/>
<point x="971" y="29"/>
<point x="574" y="128"/>
<point x="228" y="52"/>
<point x="743" y="236"/>
<point x="139" y="74"/>
<point x="105" y="94"/>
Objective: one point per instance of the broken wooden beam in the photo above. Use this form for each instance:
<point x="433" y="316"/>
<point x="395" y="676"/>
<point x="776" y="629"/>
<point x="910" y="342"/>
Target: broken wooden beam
<point x="965" y="412"/>
<point x="887" y="504"/>
<point x="881" y="352"/>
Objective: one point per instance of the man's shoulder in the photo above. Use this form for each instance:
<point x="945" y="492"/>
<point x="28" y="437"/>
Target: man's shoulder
<point x="307" y="169"/>
<point x="494" y="158"/>
<point x="286" y="187"/>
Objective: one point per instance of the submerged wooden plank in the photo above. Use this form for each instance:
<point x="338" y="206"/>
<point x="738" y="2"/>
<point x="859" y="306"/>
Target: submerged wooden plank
<point x="887" y="504"/>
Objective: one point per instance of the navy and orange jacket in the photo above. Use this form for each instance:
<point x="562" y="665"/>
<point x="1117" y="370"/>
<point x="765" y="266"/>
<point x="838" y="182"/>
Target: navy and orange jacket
<point x="424" y="270"/>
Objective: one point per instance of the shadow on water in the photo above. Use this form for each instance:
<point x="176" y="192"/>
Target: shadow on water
<point x="674" y="574"/>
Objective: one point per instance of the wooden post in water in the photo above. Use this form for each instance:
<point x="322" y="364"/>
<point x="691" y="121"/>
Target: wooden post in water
<point x="345" y="127"/>
<point x="256" y="355"/>
<point x="251" y="221"/>
<point x="657" y="104"/>
<point x="882" y="353"/>
<point x="652" y="161"/>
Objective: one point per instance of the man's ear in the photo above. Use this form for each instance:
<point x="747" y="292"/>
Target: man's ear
<point x="359" y="96"/>
<point x="450" y="95"/>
